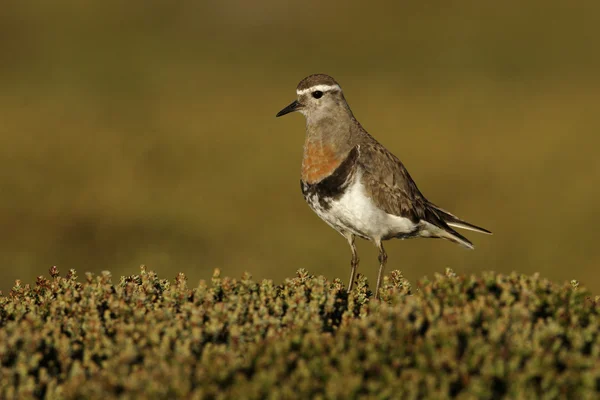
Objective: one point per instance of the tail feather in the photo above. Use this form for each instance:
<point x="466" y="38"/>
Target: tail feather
<point x="456" y="222"/>
<point x="441" y="230"/>
<point x="450" y="234"/>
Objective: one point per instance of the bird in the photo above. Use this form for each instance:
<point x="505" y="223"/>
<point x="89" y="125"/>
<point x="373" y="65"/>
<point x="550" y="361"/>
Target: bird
<point x="356" y="185"/>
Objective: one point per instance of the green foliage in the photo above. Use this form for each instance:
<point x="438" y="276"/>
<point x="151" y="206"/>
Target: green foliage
<point x="485" y="336"/>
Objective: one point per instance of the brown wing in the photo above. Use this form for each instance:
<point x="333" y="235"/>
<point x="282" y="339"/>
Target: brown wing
<point x="394" y="191"/>
<point x="391" y="186"/>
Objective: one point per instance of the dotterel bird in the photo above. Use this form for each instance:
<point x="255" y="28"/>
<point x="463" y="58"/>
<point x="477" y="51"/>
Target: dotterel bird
<point x="355" y="184"/>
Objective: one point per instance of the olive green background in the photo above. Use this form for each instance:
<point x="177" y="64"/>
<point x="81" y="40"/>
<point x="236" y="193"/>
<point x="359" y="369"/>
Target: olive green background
<point x="144" y="132"/>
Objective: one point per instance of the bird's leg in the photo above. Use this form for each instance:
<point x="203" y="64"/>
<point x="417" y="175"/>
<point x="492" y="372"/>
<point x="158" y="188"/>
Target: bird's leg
<point x="353" y="262"/>
<point x="382" y="261"/>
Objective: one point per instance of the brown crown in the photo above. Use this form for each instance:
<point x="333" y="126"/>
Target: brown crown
<point x="316" y="79"/>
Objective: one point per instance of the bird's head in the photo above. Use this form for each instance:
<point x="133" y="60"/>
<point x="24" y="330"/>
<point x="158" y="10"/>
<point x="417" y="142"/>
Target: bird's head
<point x="319" y="96"/>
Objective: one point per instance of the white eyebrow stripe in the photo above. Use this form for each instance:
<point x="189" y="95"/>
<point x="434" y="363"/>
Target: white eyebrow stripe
<point x="322" y="88"/>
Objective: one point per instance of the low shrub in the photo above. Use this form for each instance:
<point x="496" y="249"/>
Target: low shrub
<point x="488" y="336"/>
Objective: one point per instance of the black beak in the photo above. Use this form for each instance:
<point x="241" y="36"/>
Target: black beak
<point x="295" y="106"/>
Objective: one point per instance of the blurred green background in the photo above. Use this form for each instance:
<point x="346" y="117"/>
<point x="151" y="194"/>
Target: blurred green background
<point x="144" y="132"/>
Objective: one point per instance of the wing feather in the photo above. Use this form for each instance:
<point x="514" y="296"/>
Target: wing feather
<point x="389" y="183"/>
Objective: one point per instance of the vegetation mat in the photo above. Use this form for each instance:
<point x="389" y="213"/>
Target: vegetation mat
<point x="483" y="336"/>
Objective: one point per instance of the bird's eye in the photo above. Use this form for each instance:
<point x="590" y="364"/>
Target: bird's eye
<point x="317" y="94"/>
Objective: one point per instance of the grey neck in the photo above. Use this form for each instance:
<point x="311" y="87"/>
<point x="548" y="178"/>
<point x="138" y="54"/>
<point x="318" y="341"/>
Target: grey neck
<point x="337" y="129"/>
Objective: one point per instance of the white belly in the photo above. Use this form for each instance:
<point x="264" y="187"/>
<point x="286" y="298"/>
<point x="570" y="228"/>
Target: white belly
<point x="356" y="213"/>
